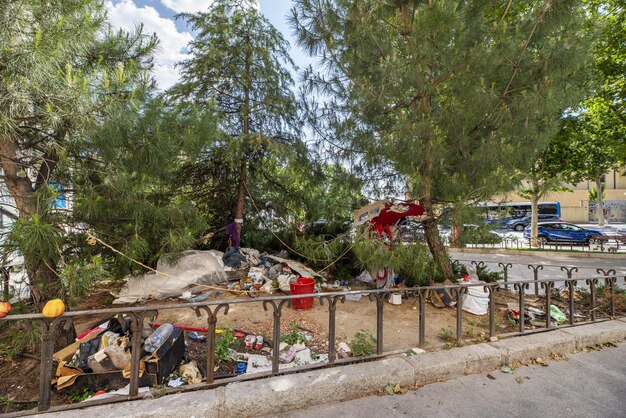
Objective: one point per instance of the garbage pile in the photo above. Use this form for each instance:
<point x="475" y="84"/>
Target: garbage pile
<point x="101" y="356"/>
<point x="535" y="316"/>
<point x="192" y="273"/>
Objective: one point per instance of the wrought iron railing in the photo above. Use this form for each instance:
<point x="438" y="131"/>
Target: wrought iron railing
<point x="212" y="310"/>
<point x="607" y="243"/>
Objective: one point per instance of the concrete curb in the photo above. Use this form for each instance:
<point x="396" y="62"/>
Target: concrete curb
<point x="530" y="253"/>
<point x="295" y="391"/>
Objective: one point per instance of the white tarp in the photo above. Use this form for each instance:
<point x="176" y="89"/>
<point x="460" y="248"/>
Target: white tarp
<point x="476" y="301"/>
<point x="182" y="271"/>
<point x="295" y="266"/>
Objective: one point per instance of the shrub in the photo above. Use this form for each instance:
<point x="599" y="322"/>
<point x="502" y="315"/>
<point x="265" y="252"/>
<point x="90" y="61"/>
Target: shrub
<point x="362" y="344"/>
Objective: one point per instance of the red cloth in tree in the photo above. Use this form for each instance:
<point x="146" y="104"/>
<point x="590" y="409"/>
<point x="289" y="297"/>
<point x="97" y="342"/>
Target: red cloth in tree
<point x="391" y="214"/>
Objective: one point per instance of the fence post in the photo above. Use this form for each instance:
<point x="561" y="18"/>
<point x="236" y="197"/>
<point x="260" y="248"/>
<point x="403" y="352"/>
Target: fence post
<point x="459" y="292"/>
<point x="422" y="316"/>
<point x="520" y="287"/>
<point x="592" y="290"/>
<point x="569" y="270"/>
<point x="380" y="299"/>
<point x="506" y="267"/>
<point x="536" y="276"/>
<point x="276" y="332"/>
<point x="548" y="286"/>
<point x="212" y="325"/>
<point x="332" y="308"/>
<point x="492" y="305"/>
<point x="571" y="286"/>
<point x="48" y="335"/>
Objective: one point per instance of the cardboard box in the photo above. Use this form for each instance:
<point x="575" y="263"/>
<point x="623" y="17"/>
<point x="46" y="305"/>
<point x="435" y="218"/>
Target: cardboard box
<point x="154" y="368"/>
<point x="367" y="213"/>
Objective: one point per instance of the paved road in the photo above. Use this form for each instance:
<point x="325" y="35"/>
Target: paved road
<point x="589" y="384"/>
<point x="552" y="264"/>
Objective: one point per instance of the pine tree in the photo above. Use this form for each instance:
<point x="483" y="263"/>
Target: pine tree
<point x="239" y="71"/>
<point x="60" y="68"/>
<point x="452" y="94"/>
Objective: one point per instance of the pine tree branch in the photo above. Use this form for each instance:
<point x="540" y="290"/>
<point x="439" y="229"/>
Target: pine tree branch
<point x="506" y="91"/>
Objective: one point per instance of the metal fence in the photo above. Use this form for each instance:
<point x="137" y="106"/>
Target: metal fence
<point x="607" y="244"/>
<point x="212" y="310"/>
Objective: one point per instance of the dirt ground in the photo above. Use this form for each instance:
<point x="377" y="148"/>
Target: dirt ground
<point x="21" y="375"/>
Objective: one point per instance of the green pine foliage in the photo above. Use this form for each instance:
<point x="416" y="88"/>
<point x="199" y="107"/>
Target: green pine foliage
<point x="239" y="70"/>
<point x="412" y="262"/>
<point x="452" y="95"/>
<point x="80" y="118"/>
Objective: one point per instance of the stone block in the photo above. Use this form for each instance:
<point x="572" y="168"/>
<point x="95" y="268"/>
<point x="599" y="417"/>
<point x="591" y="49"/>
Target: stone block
<point x="534" y="345"/>
<point x="597" y="333"/>
<point x="294" y="391"/>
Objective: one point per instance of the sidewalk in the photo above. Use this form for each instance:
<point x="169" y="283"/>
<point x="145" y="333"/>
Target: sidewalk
<point x="296" y="391"/>
<point x="586" y="384"/>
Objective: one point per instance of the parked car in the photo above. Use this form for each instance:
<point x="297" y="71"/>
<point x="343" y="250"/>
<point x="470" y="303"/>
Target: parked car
<point x="519" y="224"/>
<point x="562" y="231"/>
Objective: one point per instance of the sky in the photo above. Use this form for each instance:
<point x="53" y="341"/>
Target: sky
<point x="158" y="16"/>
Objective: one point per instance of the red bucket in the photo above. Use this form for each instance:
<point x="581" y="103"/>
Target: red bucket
<point x="302" y="286"/>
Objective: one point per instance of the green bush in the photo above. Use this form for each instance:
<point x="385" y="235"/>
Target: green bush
<point x="222" y="345"/>
<point x="295" y="336"/>
<point x="413" y="262"/>
<point x="362" y="344"/>
<point x="483" y="272"/>
<point x="78" y="277"/>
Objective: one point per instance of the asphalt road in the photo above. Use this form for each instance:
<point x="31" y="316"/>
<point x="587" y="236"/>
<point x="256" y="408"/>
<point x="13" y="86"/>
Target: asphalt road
<point x="589" y="384"/>
<point x="551" y="264"/>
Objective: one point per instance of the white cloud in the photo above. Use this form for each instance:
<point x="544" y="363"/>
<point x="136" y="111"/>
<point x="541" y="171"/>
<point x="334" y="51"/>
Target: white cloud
<point x="193" y="6"/>
<point x="187" y="6"/>
<point x="172" y="45"/>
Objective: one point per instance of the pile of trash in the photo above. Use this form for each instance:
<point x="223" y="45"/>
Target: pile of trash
<point x="537" y="317"/>
<point x="192" y="273"/>
<point x="103" y="353"/>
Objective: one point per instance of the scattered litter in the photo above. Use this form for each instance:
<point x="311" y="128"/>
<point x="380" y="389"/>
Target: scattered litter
<point x="287" y="355"/>
<point x="557" y="314"/>
<point x="355" y="297"/>
<point x="174" y="383"/>
<point x="389" y="389"/>
<point x="491" y="377"/>
<point x="193" y="335"/>
<point x="344" y="350"/>
<point x="506" y="369"/>
<point x="190" y="372"/>
<point x="249" y="341"/>
<point x="364" y="277"/>
<point x="303" y="357"/>
<point x="201" y="297"/>
<point x="242" y="366"/>
<point x="123" y="392"/>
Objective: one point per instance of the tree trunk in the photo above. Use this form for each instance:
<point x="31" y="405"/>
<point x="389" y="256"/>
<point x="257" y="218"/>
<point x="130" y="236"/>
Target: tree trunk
<point x="455" y="233"/>
<point x="599" y="202"/>
<point x="243" y="171"/>
<point x="431" y="231"/>
<point x="534" y="220"/>
<point x="19" y="184"/>
<point x="438" y="251"/>
<point x="241" y="196"/>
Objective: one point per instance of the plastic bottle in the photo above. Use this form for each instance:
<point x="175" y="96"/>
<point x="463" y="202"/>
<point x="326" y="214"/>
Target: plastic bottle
<point x="158" y="337"/>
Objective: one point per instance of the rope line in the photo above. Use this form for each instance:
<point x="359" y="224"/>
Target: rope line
<point x="287" y="246"/>
<point x="92" y="239"/>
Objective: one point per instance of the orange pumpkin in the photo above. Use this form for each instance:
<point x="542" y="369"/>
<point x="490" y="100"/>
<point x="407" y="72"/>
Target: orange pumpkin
<point x="5" y="308"/>
<point x="53" y="308"/>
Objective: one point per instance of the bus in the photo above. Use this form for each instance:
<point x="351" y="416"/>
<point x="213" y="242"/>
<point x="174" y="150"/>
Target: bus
<point x="500" y="213"/>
